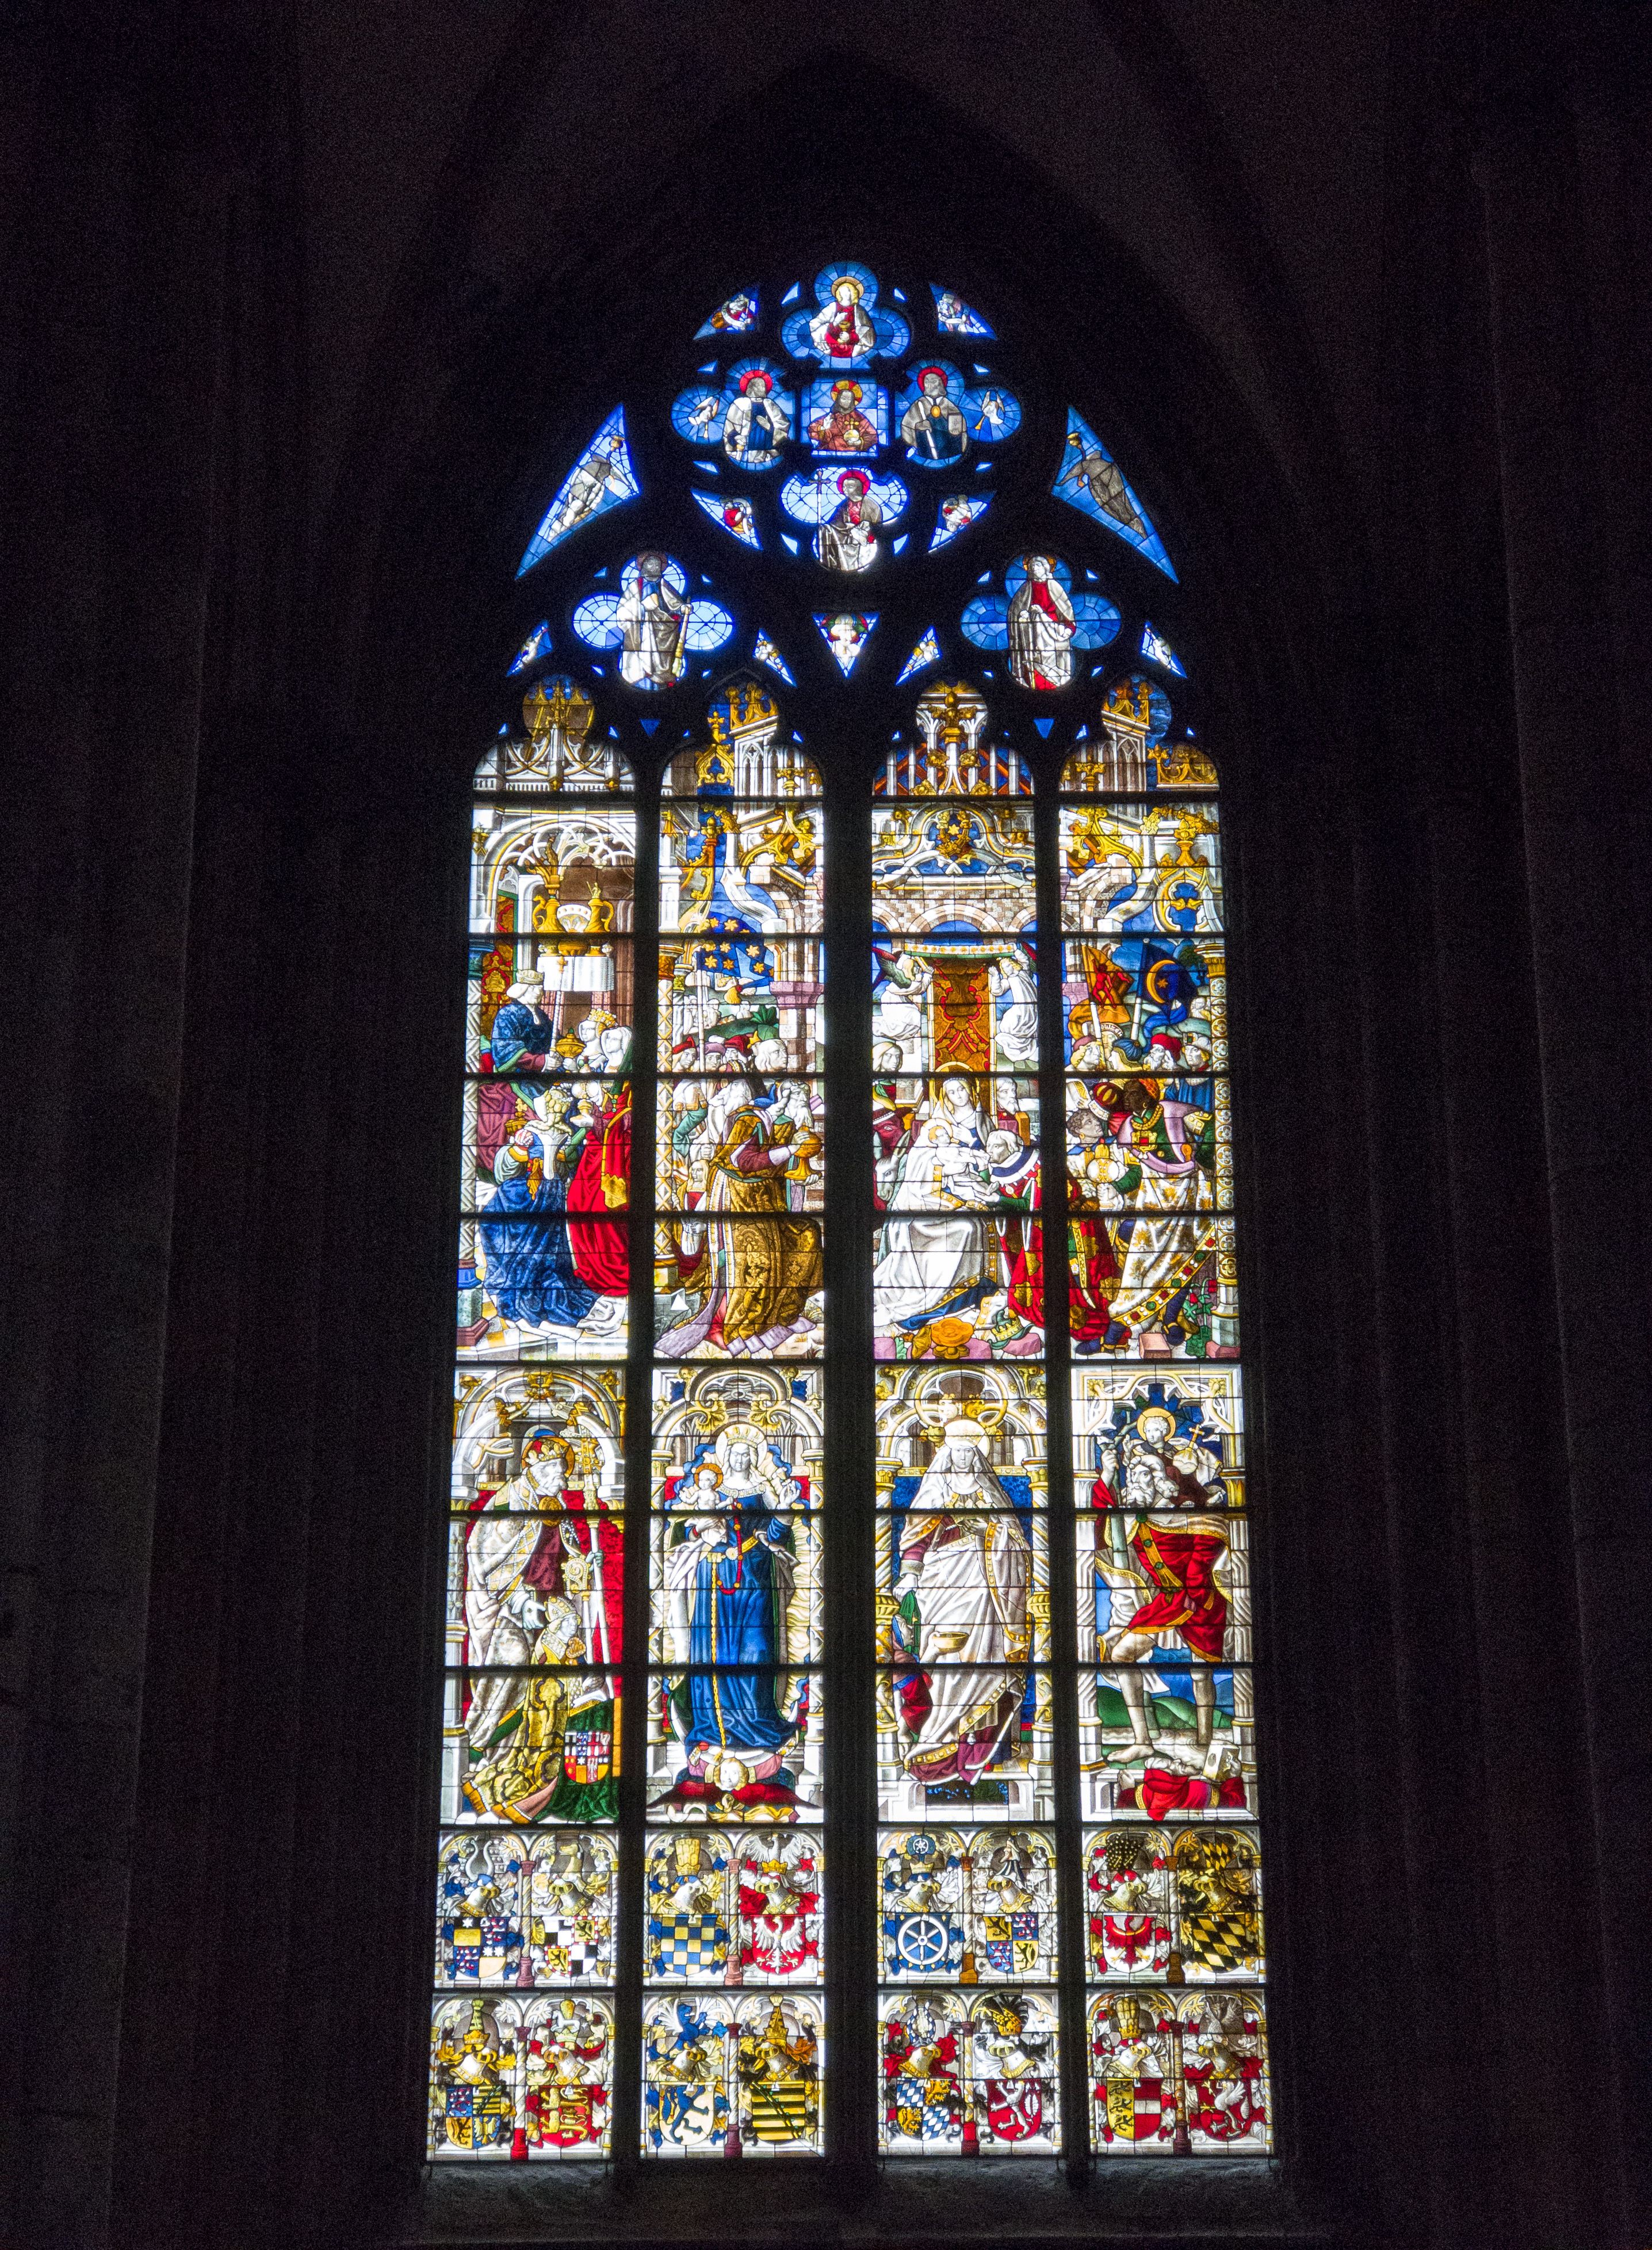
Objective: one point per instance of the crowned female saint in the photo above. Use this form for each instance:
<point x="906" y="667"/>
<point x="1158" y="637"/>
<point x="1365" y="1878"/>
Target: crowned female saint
<point x="961" y="1612"/>
<point x="842" y="329"/>
<point x="848" y="539"/>
<point x="730" y="1578"/>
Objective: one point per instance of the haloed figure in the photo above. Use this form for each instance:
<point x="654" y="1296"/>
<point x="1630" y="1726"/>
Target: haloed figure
<point x="933" y="426"/>
<point x="843" y="330"/>
<point x="754" y="429"/>
<point x="653" y="618"/>
<point x="1041" y="627"/>
<point x="848" y="539"/>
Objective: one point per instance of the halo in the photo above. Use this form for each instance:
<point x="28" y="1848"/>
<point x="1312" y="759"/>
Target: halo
<point x="946" y="380"/>
<point x="751" y="375"/>
<point x="860" y="477"/>
<point x="1155" y="1414"/>
<point x="848" y="281"/>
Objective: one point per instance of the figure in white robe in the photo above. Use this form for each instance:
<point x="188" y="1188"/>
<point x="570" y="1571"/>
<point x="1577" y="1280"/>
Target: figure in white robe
<point x="1015" y="1030"/>
<point x="653" y="618"/>
<point x="930" y="1267"/>
<point x="1041" y="627"/>
<point x="961" y="1612"/>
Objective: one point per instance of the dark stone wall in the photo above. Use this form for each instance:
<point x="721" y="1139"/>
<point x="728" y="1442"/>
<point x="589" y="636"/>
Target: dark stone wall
<point x="233" y="835"/>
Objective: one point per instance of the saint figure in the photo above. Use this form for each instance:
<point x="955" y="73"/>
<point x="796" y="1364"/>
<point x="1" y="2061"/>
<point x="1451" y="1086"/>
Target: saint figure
<point x="530" y="1272"/>
<point x="730" y="1569"/>
<point x="962" y="1613"/>
<point x="848" y="539"/>
<point x="842" y="329"/>
<point x="754" y="428"/>
<point x="845" y="429"/>
<point x="1041" y="627"/>
<point x="653" y="619"/>
<point x="933" y="426"/>
<point x="754" y="1281"/>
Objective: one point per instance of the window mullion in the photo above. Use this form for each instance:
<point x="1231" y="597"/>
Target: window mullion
<point x="628" y="1952"/>
<point x="850" y="2117"/>
<point x="1064" y="1640"/>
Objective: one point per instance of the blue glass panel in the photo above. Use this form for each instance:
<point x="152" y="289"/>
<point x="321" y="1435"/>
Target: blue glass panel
<point x="764" y="652"/>
<point x="952" y="315"/>
<point x="1039" y="621"/>
<point x="851" y="506"/>
<point x="1158" y="649"/>
<point x="957" y="513"/>
<point x="730" y="513"/>
<point x="842" y="415"/>
<point x="938" y="415"/>
<point x="926" y="652"/>
<point x="601" y="478"/>
<point x="751" y="416"/>
<point x="652" y="622"/>
<point x="813" y="499"/>
<point x="537" y="644"/>
<point x="1091" y="480"/>
<point x="850" y="329"/>
<point x="846" y="636"/>
<point x="735" y="316"/>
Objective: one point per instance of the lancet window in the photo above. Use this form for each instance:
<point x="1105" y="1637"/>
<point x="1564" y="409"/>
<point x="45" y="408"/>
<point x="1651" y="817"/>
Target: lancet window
<point x="848" y="1744"/>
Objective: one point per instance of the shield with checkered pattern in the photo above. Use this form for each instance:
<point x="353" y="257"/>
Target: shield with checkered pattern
<point x="1219" y="1941"/>
<point x="693" y="1945"/>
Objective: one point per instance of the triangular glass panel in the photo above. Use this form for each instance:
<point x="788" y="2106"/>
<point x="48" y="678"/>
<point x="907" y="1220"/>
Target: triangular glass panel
<point x="953" y="316"/>
<point x="707" y="367"/>
<point x="926" y="652"/>
<point x="1043" y="727"/>
<point x="601" y="478"/>
<point x="649" y="724"/>
<point x="735" y="316"/>
<point x="895" y="545"/>
<point x="958" y="511"/>
<point x="789" y="543"/>
<point x="1155" y="645"/>
<point x="537" y="644"/>
<point x="708" y="468"/>
<point x="899" y="295"/>
<point x="1090" y="480"/>
<point x="730" y="515"/>
<point x="766" y="652"/>
<point x="846" y="636"/>
<point x="792" y="294"/>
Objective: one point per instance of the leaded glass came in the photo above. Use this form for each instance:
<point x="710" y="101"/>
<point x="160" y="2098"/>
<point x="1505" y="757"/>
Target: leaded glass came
<point x="951" y="746"/>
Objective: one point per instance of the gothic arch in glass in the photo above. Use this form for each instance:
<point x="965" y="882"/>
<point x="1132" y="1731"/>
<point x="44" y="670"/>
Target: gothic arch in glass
<point x="848" y="1736"/>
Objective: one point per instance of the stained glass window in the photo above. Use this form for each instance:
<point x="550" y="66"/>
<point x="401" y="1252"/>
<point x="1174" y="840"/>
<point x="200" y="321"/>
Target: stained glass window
<point x="849" y="1743"/>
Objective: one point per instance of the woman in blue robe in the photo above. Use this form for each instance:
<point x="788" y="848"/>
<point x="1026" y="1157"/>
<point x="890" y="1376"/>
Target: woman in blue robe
<point x="530" y="1267"/>
<point x="730" y="1569"/>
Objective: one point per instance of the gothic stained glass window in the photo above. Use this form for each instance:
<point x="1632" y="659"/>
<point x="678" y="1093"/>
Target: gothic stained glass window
<point x="797" y="1523"/>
